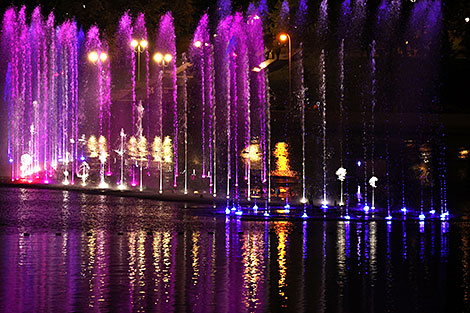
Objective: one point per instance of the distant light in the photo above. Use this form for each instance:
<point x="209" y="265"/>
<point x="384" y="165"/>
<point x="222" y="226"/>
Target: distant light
<point x="134" y="43"/>
<point x="256" y="17"/>
<point x="234" y="208"/>
<point x="359" y="163"/>
<point x="406" y="42"/>
<point x="283" y="37"/>
<point x="168" y="57"/>
<point x="389" y="217"/>
<point x="266" y="213"/>
<point x="239" y="212"/>
<point x="422" y="216"/>
<point x="227" y="210"/>
<point x="144" y="43"/>
<point x="93" y="56"/>
<point x="347" y="217"/>
<point x="255" y="207"/>
<point x="467" y="19"/>
<point x="303" y="200"/>
<point x="82" y="158"/>
<point x="305" y="215"/>
<point x="404" y="210"/>
<point x="198" y="44"/>
<point x="103" y="56"/>
<point x="432" y="212"/>
<point x="10" y="160"/>
<point x="366" y="208"/>
<point x="256" y="69"/>
<point x="287" y="206"/>
<point x="158" y="57"/>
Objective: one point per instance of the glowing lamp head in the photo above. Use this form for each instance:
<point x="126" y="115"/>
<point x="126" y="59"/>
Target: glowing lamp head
<point x="283" y="37"/>
<point x="134" y="43"/>
<point x="198" y="44"/>
<point x="144" y="43"/>
<point x="93" y="56"/>
<point x="168" y="57"/>
<point x="467" y="19"/>
<point x="103" y="56"/>
<point x="158" y="57"/>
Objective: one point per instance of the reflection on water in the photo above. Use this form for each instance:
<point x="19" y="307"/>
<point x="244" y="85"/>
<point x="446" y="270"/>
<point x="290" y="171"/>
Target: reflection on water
<point x="95" y="253"/>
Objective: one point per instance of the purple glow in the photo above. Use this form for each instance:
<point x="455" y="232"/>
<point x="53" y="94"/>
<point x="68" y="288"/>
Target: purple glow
<point x="166" y="45"/>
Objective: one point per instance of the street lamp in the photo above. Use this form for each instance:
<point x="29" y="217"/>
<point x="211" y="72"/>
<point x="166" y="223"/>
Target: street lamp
<point x="139" y="47"/>
<point x="95" y="56"/>
<point x="283" y="37"/>
<point x="163" y="61"/>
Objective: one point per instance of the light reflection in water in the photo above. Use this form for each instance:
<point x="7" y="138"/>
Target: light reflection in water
<point x="223" y="265"/>
<point x="341" y="260"/>
<point x="444" y="243"/>
<point x="405" y="246"/>
<point x="252" y="260"/>
<point x="373" y="251"/>
<point x="421" y="249"/>
<point x="465" y="250"/>
<point x="282" y="231"/>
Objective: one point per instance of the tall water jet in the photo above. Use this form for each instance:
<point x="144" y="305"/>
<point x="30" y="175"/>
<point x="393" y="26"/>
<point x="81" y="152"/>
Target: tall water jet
<point x="165" y="45"/>
<point x="201" y="57"/>
<point x="323" y="124"/>
<point x="257" y="112"/>
<point x="372" y="118"/>
<point x="184" y="96"/>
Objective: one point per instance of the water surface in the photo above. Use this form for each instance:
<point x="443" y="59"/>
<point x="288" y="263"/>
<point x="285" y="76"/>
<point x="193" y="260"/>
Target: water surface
<point x="72" y="252"/>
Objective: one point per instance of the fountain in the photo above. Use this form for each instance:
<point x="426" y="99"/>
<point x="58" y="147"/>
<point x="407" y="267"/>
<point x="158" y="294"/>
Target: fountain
<point x="215" y="103"/>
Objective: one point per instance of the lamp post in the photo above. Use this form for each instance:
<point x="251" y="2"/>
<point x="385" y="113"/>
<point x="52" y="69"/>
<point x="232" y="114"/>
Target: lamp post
<point x="163" y="61"/>
<point x="283" y="37"/>
<point x="98" y="58"/>
<point x="139" y="47"/>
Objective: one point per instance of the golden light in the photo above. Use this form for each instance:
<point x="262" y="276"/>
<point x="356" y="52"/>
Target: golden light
<point x="168" y="57"/>
<point x="256" y="69"/>
<point x="134" y="43"/>
<point x="92" y="146"/>
<point x="198" y="44"/>
<point x="103" y="56"/>
<point x="283" y="37"/>
<point x="93" y="56"/>
<point x="463" y="154"/>
<point x="158" y="57"/>
<point x="281" y="153"/>
<point x="144" y="43"/>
